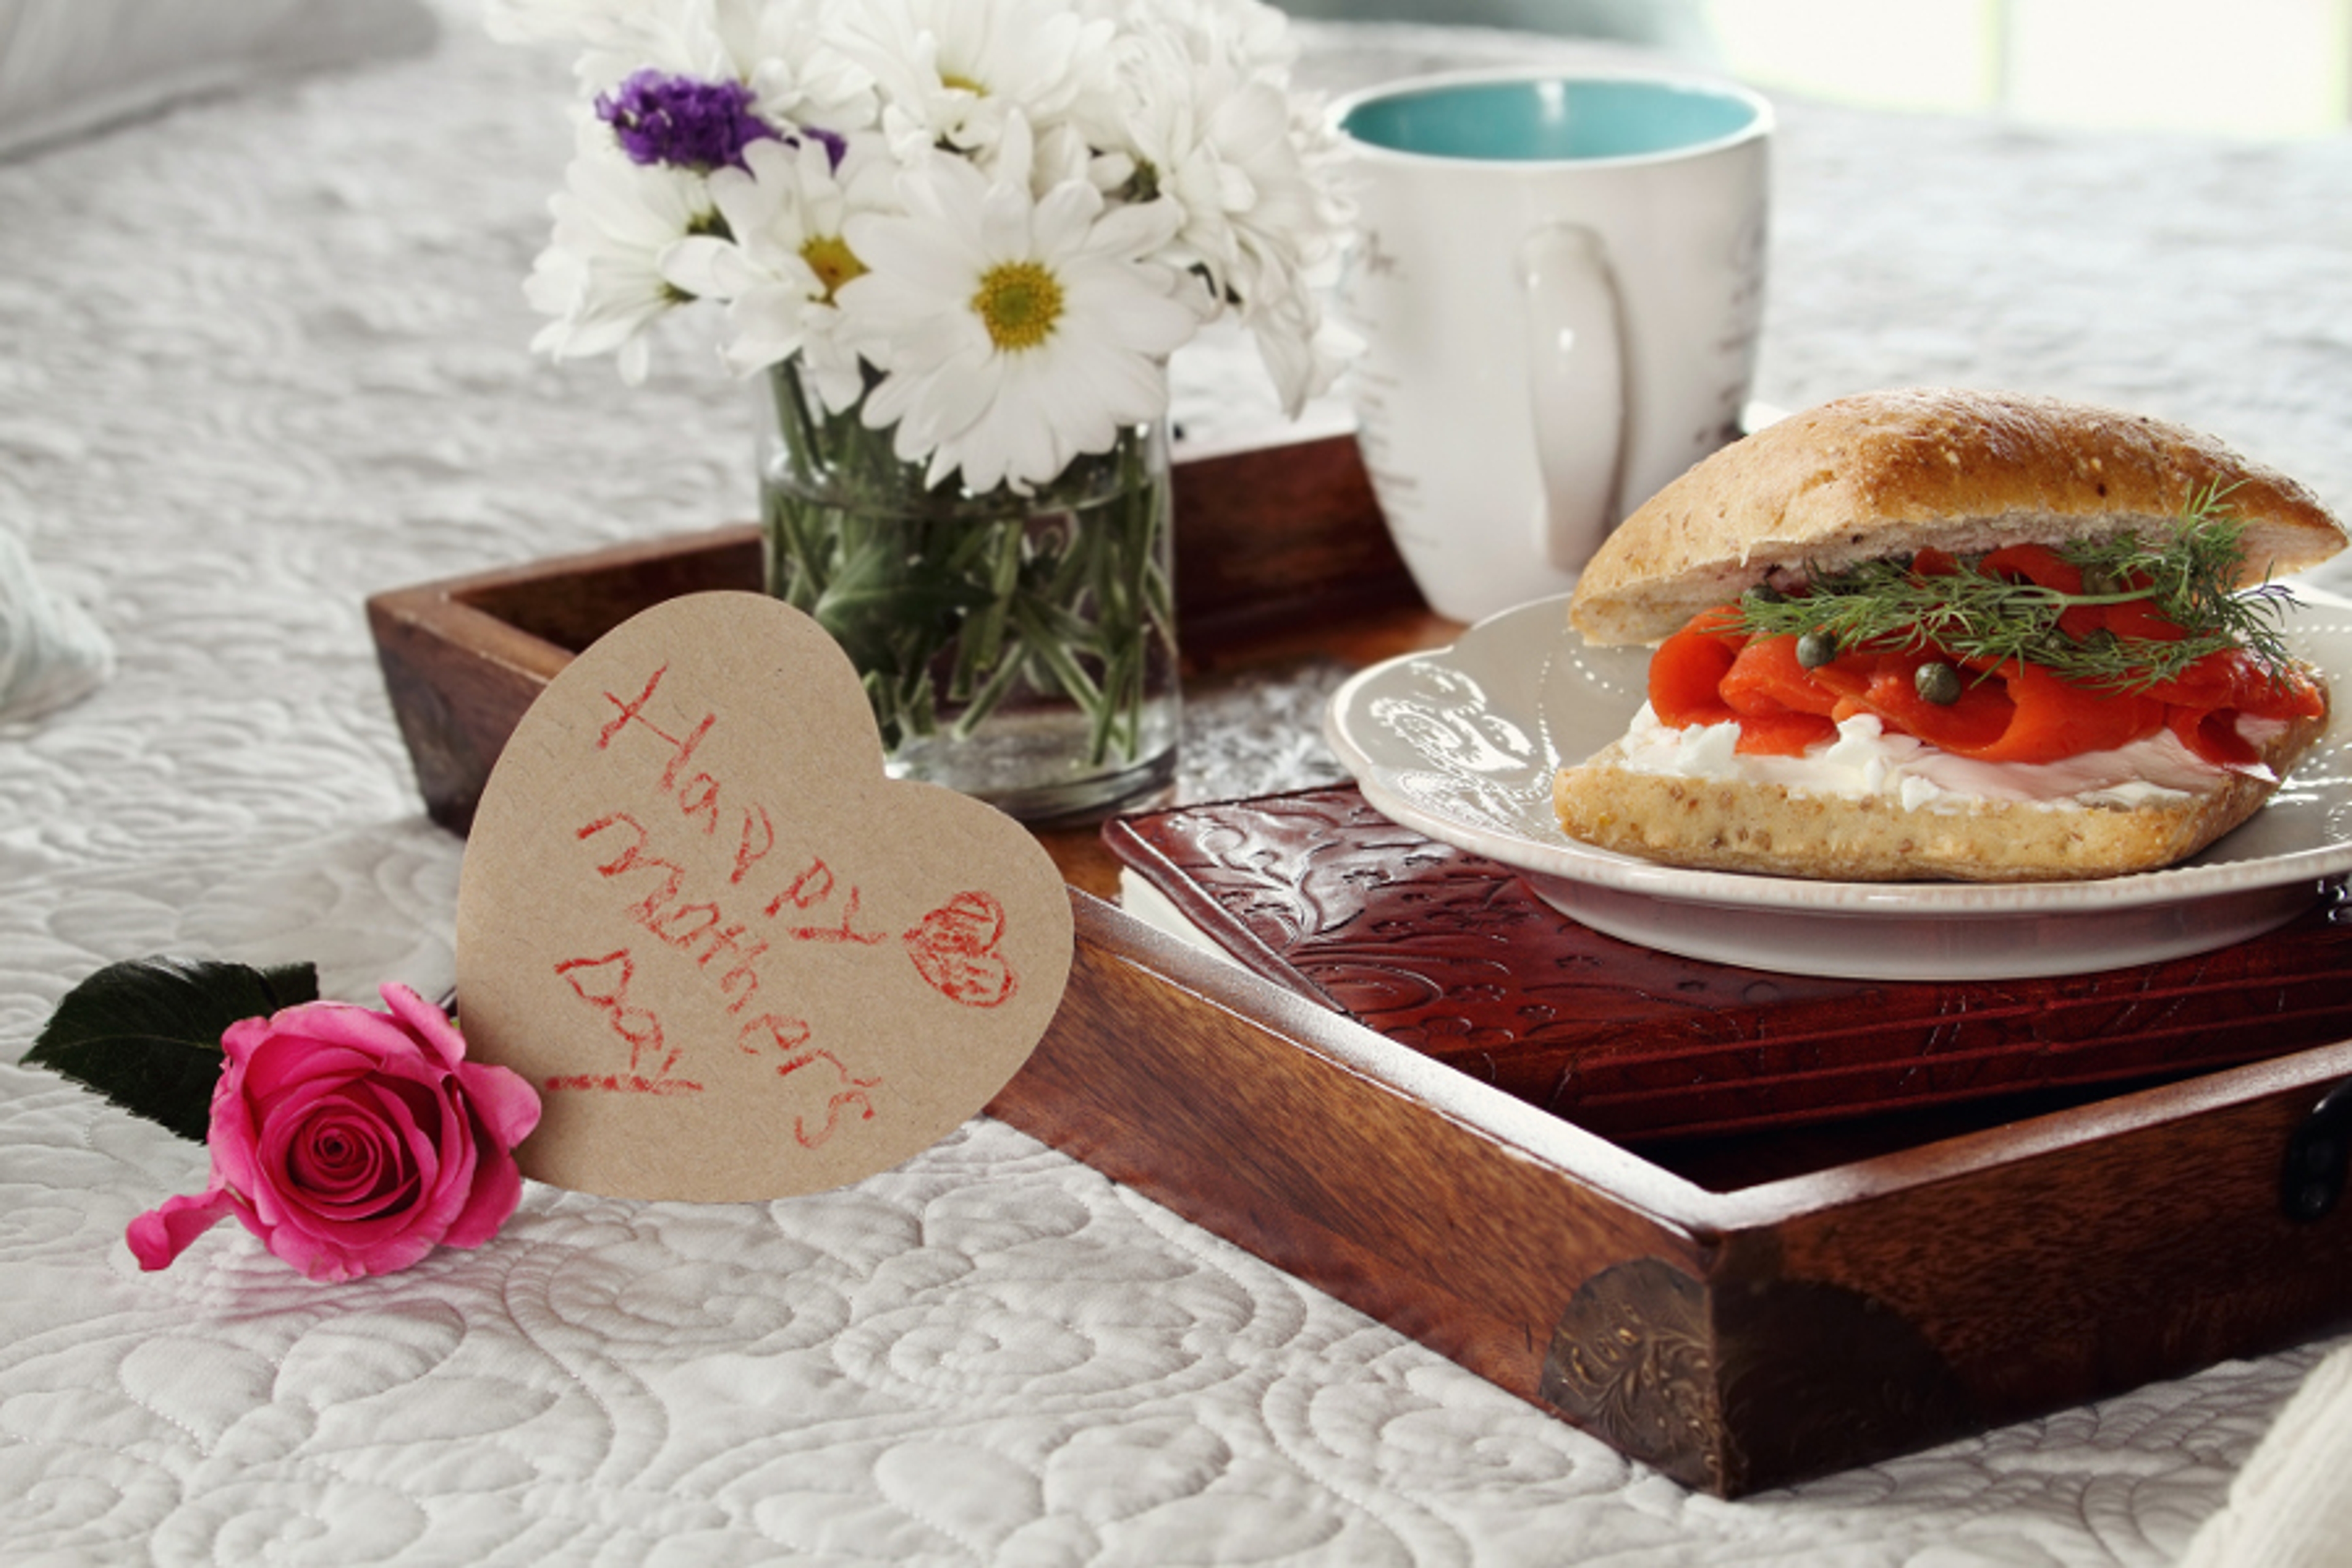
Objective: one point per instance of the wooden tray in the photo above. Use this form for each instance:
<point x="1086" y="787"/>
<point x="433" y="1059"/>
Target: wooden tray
<point x="1739" y="1313"/>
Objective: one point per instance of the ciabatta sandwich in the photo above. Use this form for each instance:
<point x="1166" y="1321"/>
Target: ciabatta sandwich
<point x="1934" y="634"/>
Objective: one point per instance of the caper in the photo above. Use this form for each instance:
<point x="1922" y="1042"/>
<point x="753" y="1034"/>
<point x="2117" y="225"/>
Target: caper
<point x="1937" y="683"/>
<point x="1765" y="594"/>
<point x="1816" y="648"/>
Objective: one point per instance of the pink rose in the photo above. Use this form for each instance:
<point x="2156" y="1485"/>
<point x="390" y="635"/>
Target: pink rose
<point x="353" y="1142"/>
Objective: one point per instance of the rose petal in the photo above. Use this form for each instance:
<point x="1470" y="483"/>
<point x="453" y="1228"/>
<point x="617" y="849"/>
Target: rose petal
<point x="408" y="1201"/>
<point x="240" y="1038"/>
<point x="329" y="1258"/>
<point x="431" y="1026"/>
<point x="353" y="1143"/>
<point x="430" y="1102"/>
<point x="342" y="1023"/>
<point x="232" y="1133"/>
<point x="445" y="1165"/>
<point x="503" y="1098"/>
<point x="350" y="1026"/>
<point x="161" y="1234"/>
<point x="339" y="1156"/>
<point x="275" y="1195"/>
<point x="280" y="1064"/>
<point x="497" y="1189"/>
<point x="426" y="1128"/>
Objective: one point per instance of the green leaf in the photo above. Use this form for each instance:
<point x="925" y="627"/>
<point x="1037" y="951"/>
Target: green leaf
<point x="146" y="1033"/>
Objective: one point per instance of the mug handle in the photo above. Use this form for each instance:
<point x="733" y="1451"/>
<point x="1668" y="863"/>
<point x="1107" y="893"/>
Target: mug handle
<point x="1576" y="387"/>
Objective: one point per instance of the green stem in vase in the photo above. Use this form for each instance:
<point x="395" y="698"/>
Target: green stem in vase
<point x="948" y="603"/>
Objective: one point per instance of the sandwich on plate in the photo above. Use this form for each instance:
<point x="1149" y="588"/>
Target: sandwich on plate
<point x="1934" y="634"/>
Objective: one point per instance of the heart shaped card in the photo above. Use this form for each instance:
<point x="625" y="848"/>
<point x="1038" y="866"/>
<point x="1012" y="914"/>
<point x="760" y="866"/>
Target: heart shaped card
<point x="737" y="961"/>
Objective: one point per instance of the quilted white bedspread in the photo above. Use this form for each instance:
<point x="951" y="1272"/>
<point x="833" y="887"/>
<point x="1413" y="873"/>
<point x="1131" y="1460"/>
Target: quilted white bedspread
<point x="265" y="355"/>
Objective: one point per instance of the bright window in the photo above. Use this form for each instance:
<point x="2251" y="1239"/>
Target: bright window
<point x="2256" y="67"/>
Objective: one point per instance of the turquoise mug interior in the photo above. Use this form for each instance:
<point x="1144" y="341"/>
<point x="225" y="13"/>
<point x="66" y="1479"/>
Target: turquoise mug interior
<point x="1551" y="119"/>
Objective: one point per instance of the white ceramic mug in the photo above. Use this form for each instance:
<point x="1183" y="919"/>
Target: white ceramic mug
<point x="1558" y="277"/>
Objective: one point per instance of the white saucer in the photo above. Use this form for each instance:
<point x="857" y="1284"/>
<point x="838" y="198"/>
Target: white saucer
<point x="1461" y="744"/>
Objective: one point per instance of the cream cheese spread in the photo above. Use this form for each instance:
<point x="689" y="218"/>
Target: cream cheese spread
<point x="1864" y="761"/>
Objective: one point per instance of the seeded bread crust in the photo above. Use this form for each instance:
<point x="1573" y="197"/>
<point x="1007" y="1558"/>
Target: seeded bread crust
<point x="1884" y="473"/>
<point x="1736" y="826"/>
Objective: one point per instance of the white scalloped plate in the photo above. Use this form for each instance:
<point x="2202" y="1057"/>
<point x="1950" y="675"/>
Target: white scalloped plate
<point x="1461" y="744"/>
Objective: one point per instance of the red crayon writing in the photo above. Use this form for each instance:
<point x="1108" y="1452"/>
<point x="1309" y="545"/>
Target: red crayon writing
<point x="812" y="888"/>
<point x="787" y="1036"/>
<point x="604" y="984"/>
<point x="954" y="948"/>
<point x="697" y="929"/>
<point x="703" y="789"/>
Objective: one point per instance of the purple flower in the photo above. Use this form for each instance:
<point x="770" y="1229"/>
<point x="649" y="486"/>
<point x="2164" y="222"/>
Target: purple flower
<point x="835" y="146"/>
<point x="677" y="121"/>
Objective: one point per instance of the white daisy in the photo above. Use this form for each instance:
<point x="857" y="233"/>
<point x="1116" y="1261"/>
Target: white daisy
<point x="1248" y="34"/>
<point x="787" y="55"/>
<point x="780" y="52"/>
<point x="1225" y="145"/>
<point x="955" y="72"/>
<point x="600" y="276"/>
<point x="784" y="256"/>
<point x="1015" y="332"/>
<point x="1303" y="350"/>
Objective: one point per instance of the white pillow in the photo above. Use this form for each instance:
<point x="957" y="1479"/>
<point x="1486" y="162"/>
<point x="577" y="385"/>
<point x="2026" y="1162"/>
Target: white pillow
<point x="71" y="67"/>
<point x="51" y="651"/>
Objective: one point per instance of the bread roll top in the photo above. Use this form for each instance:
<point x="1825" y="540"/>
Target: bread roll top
<point x="1885" y="473"/>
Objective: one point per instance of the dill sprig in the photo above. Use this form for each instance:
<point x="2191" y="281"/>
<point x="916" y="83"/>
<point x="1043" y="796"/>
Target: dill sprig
<point x="2188" y="577"/>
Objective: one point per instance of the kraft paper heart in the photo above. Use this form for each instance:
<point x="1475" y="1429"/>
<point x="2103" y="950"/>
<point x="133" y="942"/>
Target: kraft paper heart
<point x="737" y="961"/>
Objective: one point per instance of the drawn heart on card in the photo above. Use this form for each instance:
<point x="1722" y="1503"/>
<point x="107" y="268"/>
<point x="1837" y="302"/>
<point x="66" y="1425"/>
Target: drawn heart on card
<point x="955" y="949"/>
<point x="735" y="959"/>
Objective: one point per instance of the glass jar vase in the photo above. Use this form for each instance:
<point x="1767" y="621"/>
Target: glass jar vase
<point x="1020" y="649"/>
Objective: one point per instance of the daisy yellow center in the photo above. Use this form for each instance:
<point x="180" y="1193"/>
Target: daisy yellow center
<point x="1019" y="301"/>
<point x="834" y="264"/>
<point x="956" y="83"/>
